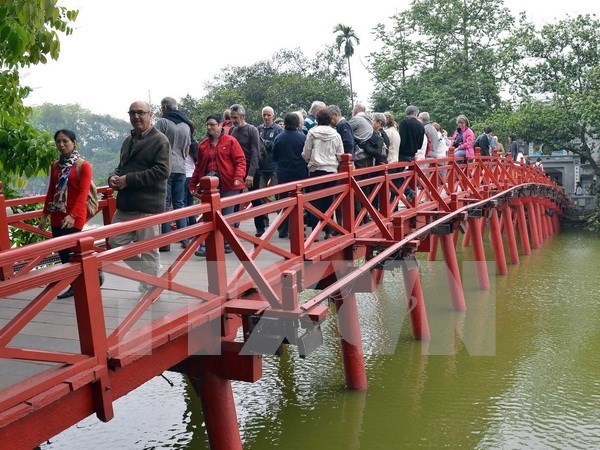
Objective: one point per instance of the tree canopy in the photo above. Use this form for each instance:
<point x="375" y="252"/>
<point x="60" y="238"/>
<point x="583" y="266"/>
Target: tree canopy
<point x="558" y="87"/>
<point x="28" y="35"/>
<point x="287" y="82"/>
<point x="443" y="56"/>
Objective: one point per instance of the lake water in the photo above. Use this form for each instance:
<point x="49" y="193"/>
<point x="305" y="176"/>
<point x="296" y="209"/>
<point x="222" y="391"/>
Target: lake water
<point x="519" y="369"/>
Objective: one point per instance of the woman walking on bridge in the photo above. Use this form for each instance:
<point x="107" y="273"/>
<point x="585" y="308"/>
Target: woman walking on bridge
<point x="67" y="194"/>
<point x="322" y="151"/>
<point x="463" y="138"/>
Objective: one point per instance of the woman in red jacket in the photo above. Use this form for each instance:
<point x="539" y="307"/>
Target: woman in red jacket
<point x="219" y="155"/>
<point x="68" y="189"/>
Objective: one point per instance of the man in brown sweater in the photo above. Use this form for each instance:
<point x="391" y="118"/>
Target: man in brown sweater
<point x="140" y="182"/>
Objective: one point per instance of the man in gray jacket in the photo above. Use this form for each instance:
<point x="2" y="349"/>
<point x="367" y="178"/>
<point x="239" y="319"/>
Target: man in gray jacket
<point x="140" y="180"/>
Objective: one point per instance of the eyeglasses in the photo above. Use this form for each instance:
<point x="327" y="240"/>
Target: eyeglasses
<point x="137" y="112"/>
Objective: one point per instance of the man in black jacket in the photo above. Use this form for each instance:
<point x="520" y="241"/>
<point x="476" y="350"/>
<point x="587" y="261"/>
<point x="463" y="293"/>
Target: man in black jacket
<point x="412" y="133"/>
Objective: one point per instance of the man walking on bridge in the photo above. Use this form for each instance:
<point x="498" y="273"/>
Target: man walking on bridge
<point x="177" y="127"/>
<point x="140" y="180"/>
<point x="412" y="134"/>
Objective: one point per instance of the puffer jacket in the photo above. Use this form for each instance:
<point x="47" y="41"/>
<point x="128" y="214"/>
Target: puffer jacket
<point x="323" y="149"/>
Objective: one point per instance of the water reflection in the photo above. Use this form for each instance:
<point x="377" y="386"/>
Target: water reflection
<point x="519" y="369"/>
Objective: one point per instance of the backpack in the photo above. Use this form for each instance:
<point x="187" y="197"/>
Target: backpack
<point x="91" y="202"/>
<point x="374" y="146"/>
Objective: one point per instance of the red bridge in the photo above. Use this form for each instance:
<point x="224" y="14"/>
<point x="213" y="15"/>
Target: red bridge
<point x="62" y="360"/>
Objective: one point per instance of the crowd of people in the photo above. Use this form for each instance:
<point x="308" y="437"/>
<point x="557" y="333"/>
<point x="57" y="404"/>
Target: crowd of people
<point x="161" y="163"/>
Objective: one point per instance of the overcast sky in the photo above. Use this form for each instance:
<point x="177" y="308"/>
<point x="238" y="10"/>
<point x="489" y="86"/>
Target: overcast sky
<point x="127" y="50"/>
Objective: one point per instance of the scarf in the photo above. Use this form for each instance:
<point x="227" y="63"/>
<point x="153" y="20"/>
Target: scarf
<point x="66" y="163"/>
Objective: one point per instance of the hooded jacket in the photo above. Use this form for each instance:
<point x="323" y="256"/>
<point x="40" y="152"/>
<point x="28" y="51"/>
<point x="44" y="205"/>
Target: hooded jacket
<point x="323" y="149"/>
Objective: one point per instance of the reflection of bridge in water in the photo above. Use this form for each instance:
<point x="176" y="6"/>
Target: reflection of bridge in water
<point x="62" y="360"/>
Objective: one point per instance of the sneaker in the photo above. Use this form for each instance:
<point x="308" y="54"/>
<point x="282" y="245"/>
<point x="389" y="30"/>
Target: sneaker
<point x="410" y="196"/>
<point x="164" y="248"/>
<point x="283" y="235"/>
<point x="228" y="248"/>
<point x="185" y="243"/>
<point x="259" y="232"/>
<point x="201" y="252"/>
<point x="143" y="287"/>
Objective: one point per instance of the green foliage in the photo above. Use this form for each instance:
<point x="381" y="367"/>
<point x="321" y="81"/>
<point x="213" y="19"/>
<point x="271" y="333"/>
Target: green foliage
<point x="99" y="137"/>
<point x="441" y="55"/>
<point x="286" y="82"/>
<point x="562" y="68"/>
<point x="28" y="35"/>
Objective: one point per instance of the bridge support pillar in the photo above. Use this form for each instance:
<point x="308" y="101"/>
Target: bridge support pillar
<point x="416" y="302"/>
<point x="218" y="407"/>
<point x="545" y="217"/>
<point x="452" y="272"/>
<point x="496" y="236"/>
<point x="535" y="238"/>
<point x="523" y="233"/>
<point x="466" y="240"/>
<point x="479" y="251"/>
<point x="350" y="341"/>
<point x="433" y="247"/>
<point x="510" y="234"/>
<point x="540" y="222"/>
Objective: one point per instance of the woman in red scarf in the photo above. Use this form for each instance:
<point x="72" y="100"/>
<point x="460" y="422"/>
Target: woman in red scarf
<point x="65" y="203"/>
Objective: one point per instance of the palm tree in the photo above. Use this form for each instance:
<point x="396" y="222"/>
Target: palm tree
<point x="346" y="38"/>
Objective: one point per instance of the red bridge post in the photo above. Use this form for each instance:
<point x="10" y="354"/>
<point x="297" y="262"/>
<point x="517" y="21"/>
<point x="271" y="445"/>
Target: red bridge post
<point x="479" y="252"/>
<point x="5" y="271"/>
<point x="453" y="273"/>
<point x="433" y="245"/>
<point x="416" y="303"/>
<point x="218" y="407"/>
<point x="510" y="233"/>
<point x="497" y="243"/>
<point x="523" y="233"/>
<point x="91" y="325"/>
<point x="535" y="237"/>
<point x="350" y="337"/>
<point x="351" y="341"/>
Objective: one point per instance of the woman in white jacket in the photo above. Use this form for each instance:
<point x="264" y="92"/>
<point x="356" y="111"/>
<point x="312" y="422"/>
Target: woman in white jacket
<point x="322" y="151"/>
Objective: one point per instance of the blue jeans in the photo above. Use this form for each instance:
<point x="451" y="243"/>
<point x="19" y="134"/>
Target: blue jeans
<point x="229" y="209"/>
<point x="460" y="154"/>
<point x="189" y="200"/>
<point x="176" y="196"/>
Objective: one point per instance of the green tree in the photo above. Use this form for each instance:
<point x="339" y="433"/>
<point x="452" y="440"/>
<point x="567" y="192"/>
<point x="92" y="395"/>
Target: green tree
<point x="28" y="35"/>
<point x="346" y="38"/>
<point x="99" y="137"/>
<point x="560" y="77"/>
<point x="286" y="82"/>
<point x="441" y="55"/>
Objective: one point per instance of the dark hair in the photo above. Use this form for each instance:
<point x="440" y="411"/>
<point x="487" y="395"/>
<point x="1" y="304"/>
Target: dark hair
<point x="323" y="117"/>
<point x="67" y="133"/>
<point x="216" y="117"/>
<point x="488" y="129"/>
<point x="291" y="121"/>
